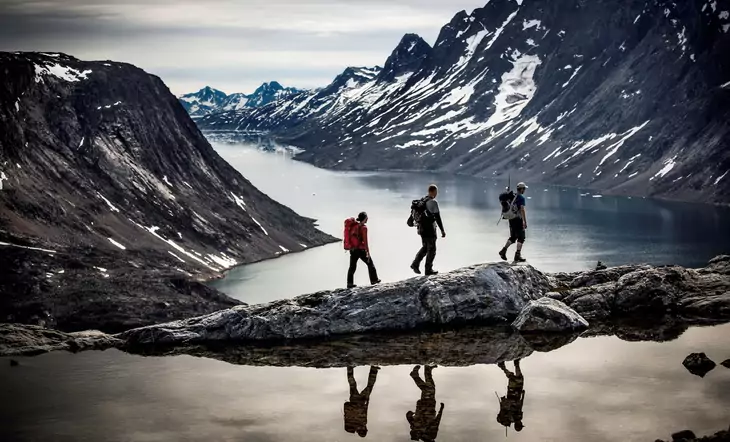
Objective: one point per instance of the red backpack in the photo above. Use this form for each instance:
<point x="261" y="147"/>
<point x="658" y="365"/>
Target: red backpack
<point x="351" y="236"/>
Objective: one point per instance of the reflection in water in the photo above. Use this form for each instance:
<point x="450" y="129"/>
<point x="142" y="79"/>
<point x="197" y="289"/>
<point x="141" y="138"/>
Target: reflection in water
<point x="356" y="409"/>
<point x="425" y="422"/>
<point x="510" y="406"/>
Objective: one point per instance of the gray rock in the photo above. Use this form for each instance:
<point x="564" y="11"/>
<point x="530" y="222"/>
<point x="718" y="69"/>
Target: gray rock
<point x="698" y="364"/>
<point x="491" y="293"/>
<point x="549" y="315"/>
<point x="19" y="339"/>
<point x="684" y="435"/>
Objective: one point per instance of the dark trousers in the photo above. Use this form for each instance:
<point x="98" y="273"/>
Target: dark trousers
<point x="356" y="255"/>
<point x="428" y="250"/>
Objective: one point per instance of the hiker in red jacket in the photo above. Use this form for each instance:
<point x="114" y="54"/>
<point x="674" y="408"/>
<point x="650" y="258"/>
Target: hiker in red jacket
<point x="356" y="241"/>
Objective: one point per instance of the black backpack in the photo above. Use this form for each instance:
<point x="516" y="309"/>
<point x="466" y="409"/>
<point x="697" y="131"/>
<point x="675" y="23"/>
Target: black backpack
<point x="418" y="212"/>
<point x="507" y="201"/>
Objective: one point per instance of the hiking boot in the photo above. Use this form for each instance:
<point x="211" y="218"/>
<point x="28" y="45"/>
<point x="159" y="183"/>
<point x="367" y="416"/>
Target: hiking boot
<point x="375" y="282"/>
<point x="519" y="258"/>
<point x="351" y="286"/>
<point x="503" y="254"/>
<point x="431" y="272"/>
<point x="415" y="269"/>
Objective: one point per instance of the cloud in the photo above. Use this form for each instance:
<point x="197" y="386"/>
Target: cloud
<point x="233" y="45"/>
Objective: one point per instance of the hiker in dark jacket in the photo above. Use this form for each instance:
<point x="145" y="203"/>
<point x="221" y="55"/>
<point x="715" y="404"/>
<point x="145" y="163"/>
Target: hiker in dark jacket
<point x="425" y="422"/>
<point x="517" y="226"/>
<point x="427" y="230"/>
<point x="356" y="409"/>
<point x="510" y="406"/>
<point x="361" y="252"/>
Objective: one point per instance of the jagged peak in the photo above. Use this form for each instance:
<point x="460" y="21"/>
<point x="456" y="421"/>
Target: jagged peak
<point x="406" y="57"/>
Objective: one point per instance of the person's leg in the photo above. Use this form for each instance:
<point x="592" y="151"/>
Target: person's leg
<point x="518" y="371"/>
<point x="417" y="378"/>
<point x="354" y="256"/>
<point x="372" y="272"/>
<point x="428" y="373"/>
<point x="420" y="255"/>
<point x="372" y="377"/>
<point x="520" y="242"/>
<point x="431" y="254"/>
<point x="351" y="380"/>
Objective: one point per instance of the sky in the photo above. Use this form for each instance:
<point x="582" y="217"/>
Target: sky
<point x="231" y="45"/>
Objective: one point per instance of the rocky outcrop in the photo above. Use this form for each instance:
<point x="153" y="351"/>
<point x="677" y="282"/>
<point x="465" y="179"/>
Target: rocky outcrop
<point x="698" y="364"/>
<point x="547" y="315"/>
<point x="492" y="293"/>
<point x="689" y="436"/>
<point x="16" y="339"/>
<point x="489" y="294"/>
<point x="692" y="294"/>
<point x="113" y="196"/>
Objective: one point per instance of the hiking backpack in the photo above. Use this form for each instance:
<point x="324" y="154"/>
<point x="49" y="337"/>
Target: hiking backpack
<point x="351" y="236"/>
<point x="419" y="212"/>
<point x="507" y="201"/>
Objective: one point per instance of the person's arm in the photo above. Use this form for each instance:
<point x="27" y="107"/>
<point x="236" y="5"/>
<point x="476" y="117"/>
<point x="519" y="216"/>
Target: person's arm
<point x="436" y="212"/>
<point x="524" y="217"/>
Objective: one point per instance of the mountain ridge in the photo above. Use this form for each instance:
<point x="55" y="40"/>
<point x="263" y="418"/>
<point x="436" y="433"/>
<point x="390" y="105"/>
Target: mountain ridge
<point x="209" y="100"/>
<point x="115" y="206"/>
<point x="562" y="92"/>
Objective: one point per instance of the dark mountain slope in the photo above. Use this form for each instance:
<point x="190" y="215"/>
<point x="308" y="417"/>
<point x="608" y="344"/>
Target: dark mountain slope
<point x="106" y="168"/>
<point x="632" y="99"/>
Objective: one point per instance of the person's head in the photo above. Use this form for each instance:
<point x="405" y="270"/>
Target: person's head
<point x="362" y="432"/>
<point x="433" y="191"/>
<point x="521" y="187"/>
<point x="362" y="217"/>
<point x="519" y="426"/>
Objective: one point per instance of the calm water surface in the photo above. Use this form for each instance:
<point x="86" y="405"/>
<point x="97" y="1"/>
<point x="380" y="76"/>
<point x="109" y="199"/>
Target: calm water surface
<point x="566" y="231"/>
<point x="594" y="389"/>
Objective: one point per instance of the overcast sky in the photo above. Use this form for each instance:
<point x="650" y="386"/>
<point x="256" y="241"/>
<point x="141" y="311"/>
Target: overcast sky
<point x="231" y="45"/>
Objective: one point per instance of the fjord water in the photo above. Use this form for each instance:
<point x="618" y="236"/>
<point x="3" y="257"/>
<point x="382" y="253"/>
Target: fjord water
<point x="597" y="389"/>
<point x="594" y="389"/>
<point x="569" y="229"/>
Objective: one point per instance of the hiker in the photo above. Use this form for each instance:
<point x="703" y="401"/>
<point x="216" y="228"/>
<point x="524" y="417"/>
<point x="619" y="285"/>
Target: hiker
<point x="356" y="241"/>
<point x="425" y="215"/>
<point x="510" y="406"/>
<point x="517" y="224"/>
<point x="425" y="422"/>
<point x="356" y="409"/>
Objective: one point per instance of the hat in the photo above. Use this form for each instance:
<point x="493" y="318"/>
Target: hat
<point x="521" y="186"/>
<point x="362" y="216"/>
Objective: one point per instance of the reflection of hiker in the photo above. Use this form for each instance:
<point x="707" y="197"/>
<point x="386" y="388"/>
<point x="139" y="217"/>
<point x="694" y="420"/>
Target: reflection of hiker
<point x="510" y="406"/>
<point x="356" y="241"/>
<point x="517" y="223"/>
<point x="425" y="422"/>
<point x="356" y="409"/>
<point x="425" y="215"/>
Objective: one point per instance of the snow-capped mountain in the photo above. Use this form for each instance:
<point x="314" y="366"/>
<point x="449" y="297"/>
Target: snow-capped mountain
<point x="113" y="203"/>
<point x="632" y="100"/>
<point x="209" y="100"/>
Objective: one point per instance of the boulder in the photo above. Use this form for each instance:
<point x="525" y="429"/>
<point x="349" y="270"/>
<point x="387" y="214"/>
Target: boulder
<point x="490" y="293"/>
<point x="547" y="315"/>
<point x="20" y="339"/>
<point x="698" y="364"/>
<point x="685" y="435"/>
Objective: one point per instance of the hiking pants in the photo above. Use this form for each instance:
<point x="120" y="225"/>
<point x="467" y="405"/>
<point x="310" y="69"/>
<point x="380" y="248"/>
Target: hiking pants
<point x="516" y="231"/>
<point x="356" y="255"/>
<point x="428" y="250"/>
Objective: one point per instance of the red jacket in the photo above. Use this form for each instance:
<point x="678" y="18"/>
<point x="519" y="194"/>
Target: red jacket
<point x="364" y="238"/>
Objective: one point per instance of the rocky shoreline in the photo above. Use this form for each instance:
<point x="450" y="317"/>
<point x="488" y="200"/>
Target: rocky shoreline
<point x="661" y="300"/>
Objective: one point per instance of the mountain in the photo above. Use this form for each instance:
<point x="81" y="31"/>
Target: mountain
<point x="209" y="100"/>
<point x="115" y="206"/>
<point x="632" y="100"/>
